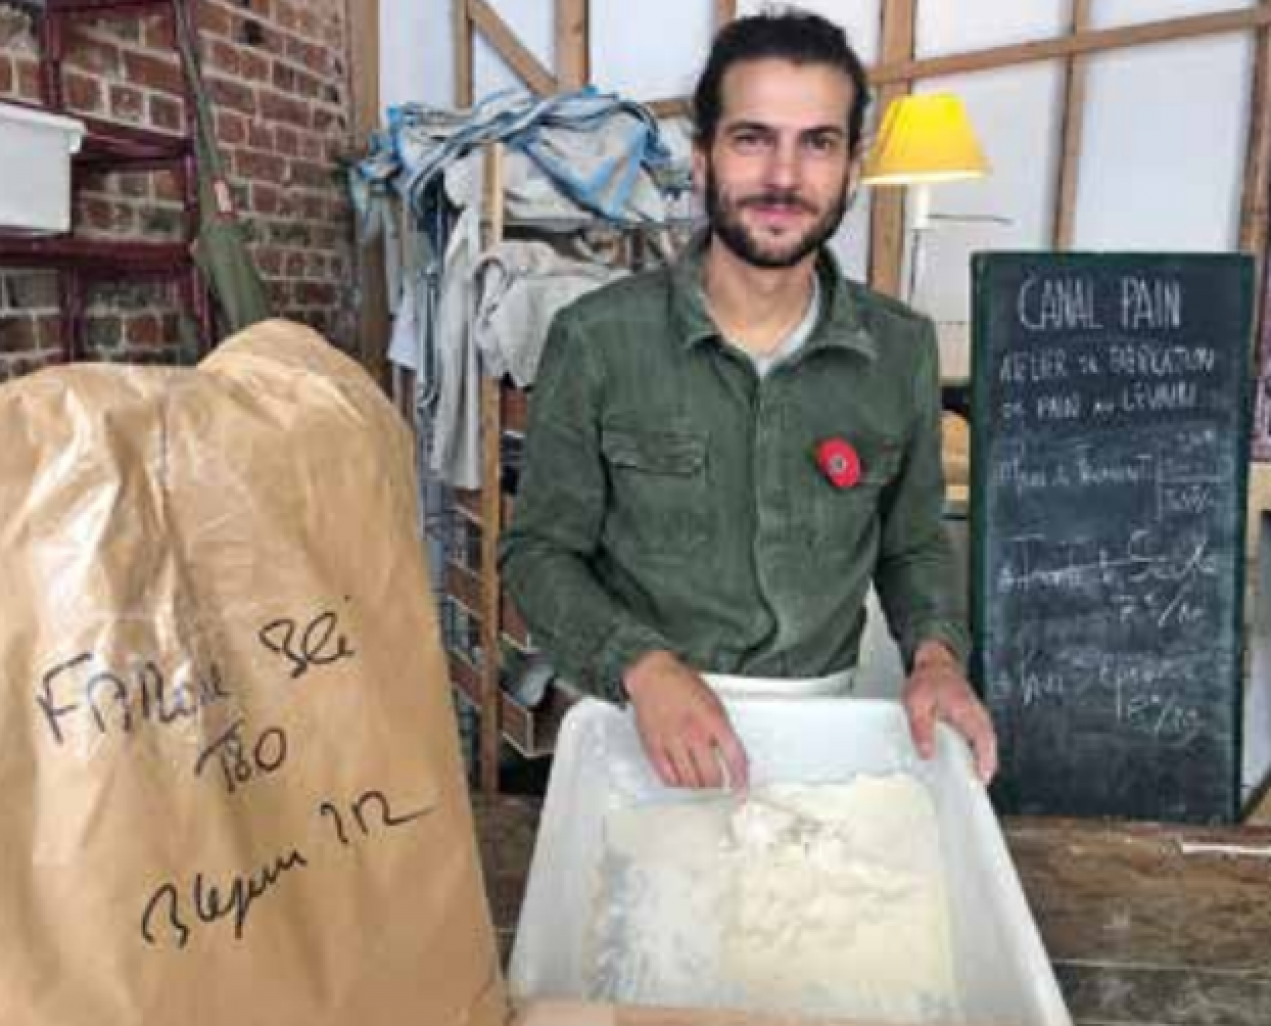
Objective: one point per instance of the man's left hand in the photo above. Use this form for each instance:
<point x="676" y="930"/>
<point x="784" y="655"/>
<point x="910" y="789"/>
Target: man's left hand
<point x="938" y="690"/>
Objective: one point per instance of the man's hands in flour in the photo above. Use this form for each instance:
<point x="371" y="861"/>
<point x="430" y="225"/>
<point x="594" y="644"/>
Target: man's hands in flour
<point x="937" y="690"/>
<point x="683" y="726"/>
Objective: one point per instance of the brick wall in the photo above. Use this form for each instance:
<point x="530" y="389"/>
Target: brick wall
<point x="279" y="79"/>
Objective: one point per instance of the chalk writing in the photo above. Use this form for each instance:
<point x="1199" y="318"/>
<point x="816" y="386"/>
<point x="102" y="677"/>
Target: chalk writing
<point x="1144" y="397"/>
<point x="1059" y="407"/>
<point x="1034" y="365"/>
<point x="1071" y="303"/>
<point x="1147" y="701"/>
<point x="1145" y="576"/>
<point x="1057" y="304"/>
<point x="108" y="700"/>
<point x="1147" y="361"/>
<point x="1151" y="304"/>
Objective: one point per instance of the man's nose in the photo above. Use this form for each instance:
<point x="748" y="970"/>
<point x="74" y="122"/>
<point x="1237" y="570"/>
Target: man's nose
<point x="783" y="165"/>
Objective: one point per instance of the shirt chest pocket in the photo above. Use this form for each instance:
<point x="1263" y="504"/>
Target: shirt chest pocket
<point x="843" y="516"/>
<point x="658" y="487"/>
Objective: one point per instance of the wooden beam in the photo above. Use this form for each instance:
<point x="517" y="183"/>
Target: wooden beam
<point x="497" y="33"/>
<point x="573" y="53"/>
<point x="725" y="11"/>
<point x="373" y="322"/>
<point x="1257" y="179"/>
<point x="1148" y="34"/>
<point x="491" y="513"/>
<point x="463" y="54"/>
<point x="1254" y="226"/>
<point x="887" y="211"/>
<point x="679" y="107"/>
<point x="899" y="71"/>
<point x="1071" y="134"/>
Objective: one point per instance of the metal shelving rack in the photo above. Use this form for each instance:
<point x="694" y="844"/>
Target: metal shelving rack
<point x="108" y="147"/>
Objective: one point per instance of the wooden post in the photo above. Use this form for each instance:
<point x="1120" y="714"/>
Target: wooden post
<point x="573" y="49"/>
<point x="1074" y="123"/>
<point x="887" y="213"/>
<point x="463" y="54"/>
<point x="373" y="324"/>
<point x="1257" y="179"/>
<point x="1124" y="37"/>
<point x="1254" y="229"/>
<point x="500" y="36"/>
<point x="491" y="516"/>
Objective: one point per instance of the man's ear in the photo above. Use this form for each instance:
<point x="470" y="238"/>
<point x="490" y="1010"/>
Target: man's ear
<point x="699" y="166"/>
<point x="854" y="170"/>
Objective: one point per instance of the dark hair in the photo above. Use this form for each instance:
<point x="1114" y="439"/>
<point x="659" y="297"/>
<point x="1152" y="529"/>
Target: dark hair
<point x="789" y="34"/>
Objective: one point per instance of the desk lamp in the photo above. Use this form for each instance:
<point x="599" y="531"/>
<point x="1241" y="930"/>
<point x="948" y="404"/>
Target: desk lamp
<point x="925" y="138"/>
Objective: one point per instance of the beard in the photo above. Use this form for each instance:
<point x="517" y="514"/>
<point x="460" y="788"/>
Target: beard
<point x="725" y="214"/>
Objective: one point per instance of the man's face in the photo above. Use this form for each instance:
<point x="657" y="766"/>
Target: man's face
<point x="776" y="175"/>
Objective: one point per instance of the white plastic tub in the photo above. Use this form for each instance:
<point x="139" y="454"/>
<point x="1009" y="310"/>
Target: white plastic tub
<point x="1003" y="974"/>
<point x="35" y="187"/>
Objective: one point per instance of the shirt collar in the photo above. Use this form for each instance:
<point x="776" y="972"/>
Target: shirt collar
<point x="840" y="325"/>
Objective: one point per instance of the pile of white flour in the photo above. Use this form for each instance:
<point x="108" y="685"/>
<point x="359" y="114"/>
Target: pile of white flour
<point x="819" y="900"/>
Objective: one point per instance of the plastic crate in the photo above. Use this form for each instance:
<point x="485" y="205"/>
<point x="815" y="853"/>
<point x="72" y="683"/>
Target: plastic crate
<point x="1002" y="971"/>
<point x="35" y="189"/>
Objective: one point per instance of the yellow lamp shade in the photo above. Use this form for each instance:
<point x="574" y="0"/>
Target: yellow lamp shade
<point x="925" y="138"/>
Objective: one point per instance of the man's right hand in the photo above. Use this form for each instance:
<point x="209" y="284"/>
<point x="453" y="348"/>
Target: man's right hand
<point x="683" y="726"/>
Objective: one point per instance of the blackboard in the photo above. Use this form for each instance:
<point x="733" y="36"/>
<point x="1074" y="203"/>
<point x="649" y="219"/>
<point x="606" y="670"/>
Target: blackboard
<point x="1110" y="419"/>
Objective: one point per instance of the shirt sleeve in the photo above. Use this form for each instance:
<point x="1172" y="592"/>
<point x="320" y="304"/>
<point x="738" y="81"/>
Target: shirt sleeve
<point x="916" y="578"/>
<point x="546" y="554"/>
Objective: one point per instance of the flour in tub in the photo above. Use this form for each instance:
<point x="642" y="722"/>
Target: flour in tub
<point x="817" y="900"/>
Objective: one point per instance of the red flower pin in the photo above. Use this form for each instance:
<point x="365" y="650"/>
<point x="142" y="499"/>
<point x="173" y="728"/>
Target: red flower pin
<point x="839" y="462"/>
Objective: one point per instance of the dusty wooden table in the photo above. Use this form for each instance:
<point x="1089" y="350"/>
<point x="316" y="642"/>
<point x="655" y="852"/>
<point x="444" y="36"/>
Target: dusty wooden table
<point x="1146" y="925"/>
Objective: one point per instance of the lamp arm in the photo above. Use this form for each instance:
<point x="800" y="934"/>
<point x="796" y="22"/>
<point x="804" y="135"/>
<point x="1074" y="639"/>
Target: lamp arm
<point x="970" y="218"/>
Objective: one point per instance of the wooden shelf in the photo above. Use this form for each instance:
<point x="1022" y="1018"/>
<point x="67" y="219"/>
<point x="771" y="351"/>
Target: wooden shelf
<point x="464" y="586"/>
<point x="92" y="257"/>
<point x="515" y="408"/>
<point x="114" y="147"/>
<point x="102" y="7"/>
<point x="532" y="732"/>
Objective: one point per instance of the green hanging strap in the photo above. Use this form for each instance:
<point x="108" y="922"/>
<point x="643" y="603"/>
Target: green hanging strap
<point x="220" y="250"/>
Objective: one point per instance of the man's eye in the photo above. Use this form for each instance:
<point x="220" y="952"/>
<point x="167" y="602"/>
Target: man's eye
<point x="823" y="143"/>
<point x="749" y="141"/>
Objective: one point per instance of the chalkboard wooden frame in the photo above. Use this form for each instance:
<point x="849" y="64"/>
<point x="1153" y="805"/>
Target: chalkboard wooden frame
<point x="1204" y="792"/>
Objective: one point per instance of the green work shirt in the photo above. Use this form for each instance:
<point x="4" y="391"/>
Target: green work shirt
<point x="672" y="499"/>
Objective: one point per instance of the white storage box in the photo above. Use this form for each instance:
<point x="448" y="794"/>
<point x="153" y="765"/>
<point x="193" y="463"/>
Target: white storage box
<point x="1003" y="975"/>
<point x="35" y="188"/>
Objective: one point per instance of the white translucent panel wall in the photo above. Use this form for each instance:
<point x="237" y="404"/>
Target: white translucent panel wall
<point x="416" y="53"/>
<point x="1113" y="13"/>
<point x="1164" y="146"/>
<point x="655" y="55"/>
<point x="861" y="19"/>
<point x="533" y="22"/>
<point x="1015" y="113"/>
<point x="957" y="26"/>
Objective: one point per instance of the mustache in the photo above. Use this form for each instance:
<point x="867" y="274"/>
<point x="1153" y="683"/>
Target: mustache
<point x="778" y="198"/>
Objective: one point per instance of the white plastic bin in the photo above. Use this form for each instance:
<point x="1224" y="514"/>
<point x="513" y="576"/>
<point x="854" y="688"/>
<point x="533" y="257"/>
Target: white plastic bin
<point x="1003" y="973"/>
<point x="35" y="150"/>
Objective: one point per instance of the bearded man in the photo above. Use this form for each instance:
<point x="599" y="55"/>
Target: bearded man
<point x="723" y="455"/>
